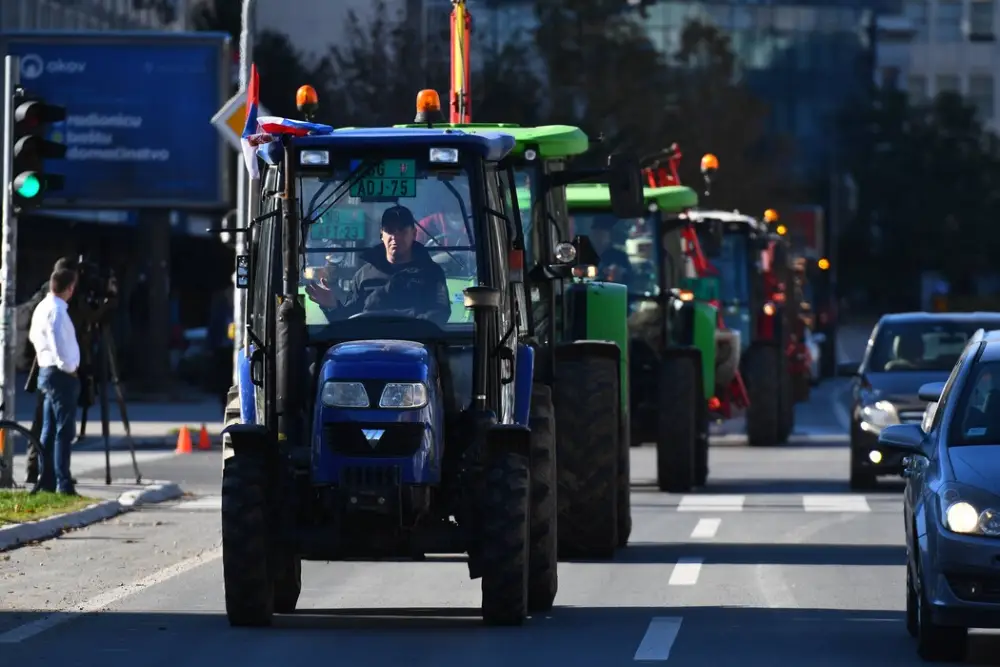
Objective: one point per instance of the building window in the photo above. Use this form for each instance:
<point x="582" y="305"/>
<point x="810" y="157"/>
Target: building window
<point x="981" y="95"/>
<point x="981" y="20"/>
<point x="948" y="21"/>
<point x="947" y="83"/>
<point x="916" y="11"/>
<point x="916" y="88"/>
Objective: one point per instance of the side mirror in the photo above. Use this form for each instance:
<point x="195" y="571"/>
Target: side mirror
<point x="930" y="392"/>
<point x="625" y="186"/>
<point x="902" y="438"/>
<point x="848" y="369"/>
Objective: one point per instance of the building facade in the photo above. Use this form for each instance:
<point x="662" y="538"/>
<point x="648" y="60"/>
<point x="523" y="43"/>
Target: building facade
<point x="17" y="15"/>
<point x="933" y="46"/>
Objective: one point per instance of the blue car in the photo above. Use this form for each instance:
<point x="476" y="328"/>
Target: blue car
<point x="952" y="503"/>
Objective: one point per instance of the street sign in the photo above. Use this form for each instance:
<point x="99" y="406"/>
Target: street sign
<point x="230" y="119"/>
<point x="137" y="107"/>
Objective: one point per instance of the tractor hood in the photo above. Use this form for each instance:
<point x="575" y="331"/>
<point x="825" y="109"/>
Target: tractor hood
<point x="399" y="360"/>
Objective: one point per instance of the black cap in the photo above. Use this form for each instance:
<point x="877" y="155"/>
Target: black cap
<point x="398" y="217"/>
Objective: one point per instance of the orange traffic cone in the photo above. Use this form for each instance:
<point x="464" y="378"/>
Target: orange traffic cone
<point x="183" y="441"/>
<point x="204" y="442"/>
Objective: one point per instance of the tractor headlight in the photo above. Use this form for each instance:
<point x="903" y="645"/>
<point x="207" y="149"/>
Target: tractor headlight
<point x="404" y="395"/>
<point x="345" y="395"/>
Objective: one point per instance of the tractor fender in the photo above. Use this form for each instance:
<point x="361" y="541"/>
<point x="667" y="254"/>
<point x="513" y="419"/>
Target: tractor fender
<point x="253" y="439"/>
<point x="248" y="407"/>
<point x="524" y="373"/>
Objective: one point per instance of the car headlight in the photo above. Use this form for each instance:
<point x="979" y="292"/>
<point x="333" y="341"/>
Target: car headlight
<point x="879" y="415"/>
<point x="968" y="512"/>
<point x="404" y="395"/>
<point x="345" y="395"/>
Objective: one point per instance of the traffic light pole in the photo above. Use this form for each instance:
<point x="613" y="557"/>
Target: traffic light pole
<point x="8" y="270"/>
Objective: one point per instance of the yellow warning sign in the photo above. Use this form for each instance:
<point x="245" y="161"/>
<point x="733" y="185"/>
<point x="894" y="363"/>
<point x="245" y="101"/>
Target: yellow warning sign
<point x="230" y="119"/>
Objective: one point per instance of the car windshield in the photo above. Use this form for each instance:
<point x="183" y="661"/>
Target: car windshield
<point x="977" y="419"/>
<point x="625" y="247"/>
<point x="733" y="263"/>
<point x="399" y="241"/>
<point x="927" y="345"/>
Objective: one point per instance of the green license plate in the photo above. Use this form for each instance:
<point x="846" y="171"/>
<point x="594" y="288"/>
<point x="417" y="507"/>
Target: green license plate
<point x="390" y="179"/>
<point x="339" y="226"/>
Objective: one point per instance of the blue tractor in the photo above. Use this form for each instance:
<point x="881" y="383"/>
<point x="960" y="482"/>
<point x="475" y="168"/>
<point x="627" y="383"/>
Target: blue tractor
<point x="377" y="430"/>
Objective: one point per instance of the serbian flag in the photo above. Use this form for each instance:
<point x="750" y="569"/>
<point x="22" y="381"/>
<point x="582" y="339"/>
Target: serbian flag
<point x="252" y="135"/>
<point x="273" y="125"/>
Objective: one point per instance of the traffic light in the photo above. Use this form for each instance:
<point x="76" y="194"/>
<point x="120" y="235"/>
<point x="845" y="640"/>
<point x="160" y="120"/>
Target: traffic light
<point x="31" y="149"/>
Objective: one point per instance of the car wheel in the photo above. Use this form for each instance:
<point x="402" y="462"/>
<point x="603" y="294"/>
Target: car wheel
<point x="912" y="605"/>
<point x="938" y="643"/>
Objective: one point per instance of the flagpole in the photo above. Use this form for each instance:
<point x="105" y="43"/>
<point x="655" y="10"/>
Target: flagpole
<point x="246" y="207"/>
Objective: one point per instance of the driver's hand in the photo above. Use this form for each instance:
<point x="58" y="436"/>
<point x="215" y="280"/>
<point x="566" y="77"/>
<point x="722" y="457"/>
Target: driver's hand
<point x="321" y="293"/>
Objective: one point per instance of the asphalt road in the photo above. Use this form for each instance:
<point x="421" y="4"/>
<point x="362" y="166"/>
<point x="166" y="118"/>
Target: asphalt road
<point x="774" y="564"/>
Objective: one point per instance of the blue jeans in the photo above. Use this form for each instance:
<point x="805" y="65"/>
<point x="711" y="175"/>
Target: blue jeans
<point x="62" y="393"/>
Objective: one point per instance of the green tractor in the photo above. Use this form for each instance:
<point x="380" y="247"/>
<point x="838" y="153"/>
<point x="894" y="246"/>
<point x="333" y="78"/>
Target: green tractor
<point x="578" y="333"/>
<point x="671" y="324"/>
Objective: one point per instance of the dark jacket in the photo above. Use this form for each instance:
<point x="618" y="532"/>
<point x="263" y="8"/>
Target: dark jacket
<point x="614" y="256"/>
<point x="417" y="288"/>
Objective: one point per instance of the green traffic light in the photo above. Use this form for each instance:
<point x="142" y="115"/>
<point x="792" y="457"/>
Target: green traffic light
<point x="29" y="186"/>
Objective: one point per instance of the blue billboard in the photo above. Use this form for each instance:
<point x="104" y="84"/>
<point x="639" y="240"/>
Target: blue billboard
<point x="138" y="115"/>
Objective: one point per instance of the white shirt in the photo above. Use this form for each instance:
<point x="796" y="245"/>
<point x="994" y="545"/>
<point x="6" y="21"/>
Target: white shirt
<point x="54" y="336"/>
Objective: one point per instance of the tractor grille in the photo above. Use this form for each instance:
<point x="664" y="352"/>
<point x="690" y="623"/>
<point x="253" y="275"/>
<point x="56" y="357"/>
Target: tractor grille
<point x="369" y="477"/>
<point x="376" y="440"/>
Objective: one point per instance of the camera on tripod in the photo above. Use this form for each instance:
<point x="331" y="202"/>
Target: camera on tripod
<point x="96" y="295"/>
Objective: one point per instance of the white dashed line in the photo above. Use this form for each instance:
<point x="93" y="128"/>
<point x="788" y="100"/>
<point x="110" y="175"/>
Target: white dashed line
<point x="659" y="638"/>
<point x="835" y="503"/>
<point x="686" y="572"/>
<point x="717" y="503"/>
<point x="706" y="529"/>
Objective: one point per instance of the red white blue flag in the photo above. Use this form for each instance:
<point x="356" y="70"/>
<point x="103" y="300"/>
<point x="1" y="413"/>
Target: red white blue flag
<point x="252" y="136"/>
<point x="297" y="128"/>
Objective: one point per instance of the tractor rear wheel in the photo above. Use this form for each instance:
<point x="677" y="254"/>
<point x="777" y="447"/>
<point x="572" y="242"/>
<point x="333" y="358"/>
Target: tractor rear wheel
<point x="587" y="402"/>
<point x="543" y="561"/>
<point x="763" y="389"/>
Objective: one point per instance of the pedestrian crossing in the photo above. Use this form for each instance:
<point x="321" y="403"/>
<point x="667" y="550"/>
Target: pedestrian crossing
<point x="846" y="503"/>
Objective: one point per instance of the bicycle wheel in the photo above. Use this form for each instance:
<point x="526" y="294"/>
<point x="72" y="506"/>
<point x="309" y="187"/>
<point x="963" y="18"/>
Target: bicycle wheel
<point x="15" y="439"/>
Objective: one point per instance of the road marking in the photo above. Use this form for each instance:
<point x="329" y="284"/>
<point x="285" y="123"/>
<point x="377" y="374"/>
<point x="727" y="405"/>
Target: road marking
<point x="686" y="571"/>
<point x="718" y="503"/>
<point x="659" y="638"/>
<point x="106" y="599"/>
<point x="203" y="503"/>
<point x="835" y="503"/>
<point x="706" y="529"/>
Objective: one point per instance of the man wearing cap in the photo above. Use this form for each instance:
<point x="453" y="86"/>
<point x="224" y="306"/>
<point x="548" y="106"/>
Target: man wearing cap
<point x="398" y="275"/>
<point x="615" y="264"/>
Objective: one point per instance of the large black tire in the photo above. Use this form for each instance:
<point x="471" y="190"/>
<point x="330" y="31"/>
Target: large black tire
<point x="246" y="542"/>
<point x="677" y="439"/>
<point x="625" y="482"/>
<point x="764" y="414"/>
<point x="786" y="396"/>
<point x="543" y="559"/>
<point x="287" y="582"/>
<point x="505" y="547"/>
<point x="587" y="452"/>
<point x="701" y="451"/>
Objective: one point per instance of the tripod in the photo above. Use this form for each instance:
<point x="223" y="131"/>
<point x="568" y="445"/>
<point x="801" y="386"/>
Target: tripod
<point x="106" y="368"/>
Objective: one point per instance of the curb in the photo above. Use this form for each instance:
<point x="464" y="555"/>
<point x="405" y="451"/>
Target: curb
<point x="49" y="527"/>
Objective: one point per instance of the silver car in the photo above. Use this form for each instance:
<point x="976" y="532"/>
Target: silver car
<point x="952" y="504"/>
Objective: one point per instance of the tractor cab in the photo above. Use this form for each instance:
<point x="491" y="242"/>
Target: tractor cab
<point x="382" y="403"/>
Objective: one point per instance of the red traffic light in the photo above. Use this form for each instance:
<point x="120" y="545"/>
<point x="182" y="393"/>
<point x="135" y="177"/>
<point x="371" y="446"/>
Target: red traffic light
<point x="30" y="114"/>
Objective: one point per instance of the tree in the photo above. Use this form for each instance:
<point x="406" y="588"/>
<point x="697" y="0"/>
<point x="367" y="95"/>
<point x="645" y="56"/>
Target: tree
<point x="281" y="67"/>
<point x="603" y="74"/>
<point x="710" y="112"/>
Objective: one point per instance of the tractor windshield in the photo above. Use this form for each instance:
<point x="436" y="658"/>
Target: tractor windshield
<point x="624" y="246"/>
<point x="733" y="263"/>
<point x="397" y="239"/>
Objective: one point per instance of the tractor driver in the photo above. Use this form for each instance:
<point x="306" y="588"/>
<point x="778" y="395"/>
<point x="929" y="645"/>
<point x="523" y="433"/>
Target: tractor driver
<point x="615" y="265"/>
<point x="398" y="275"/>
